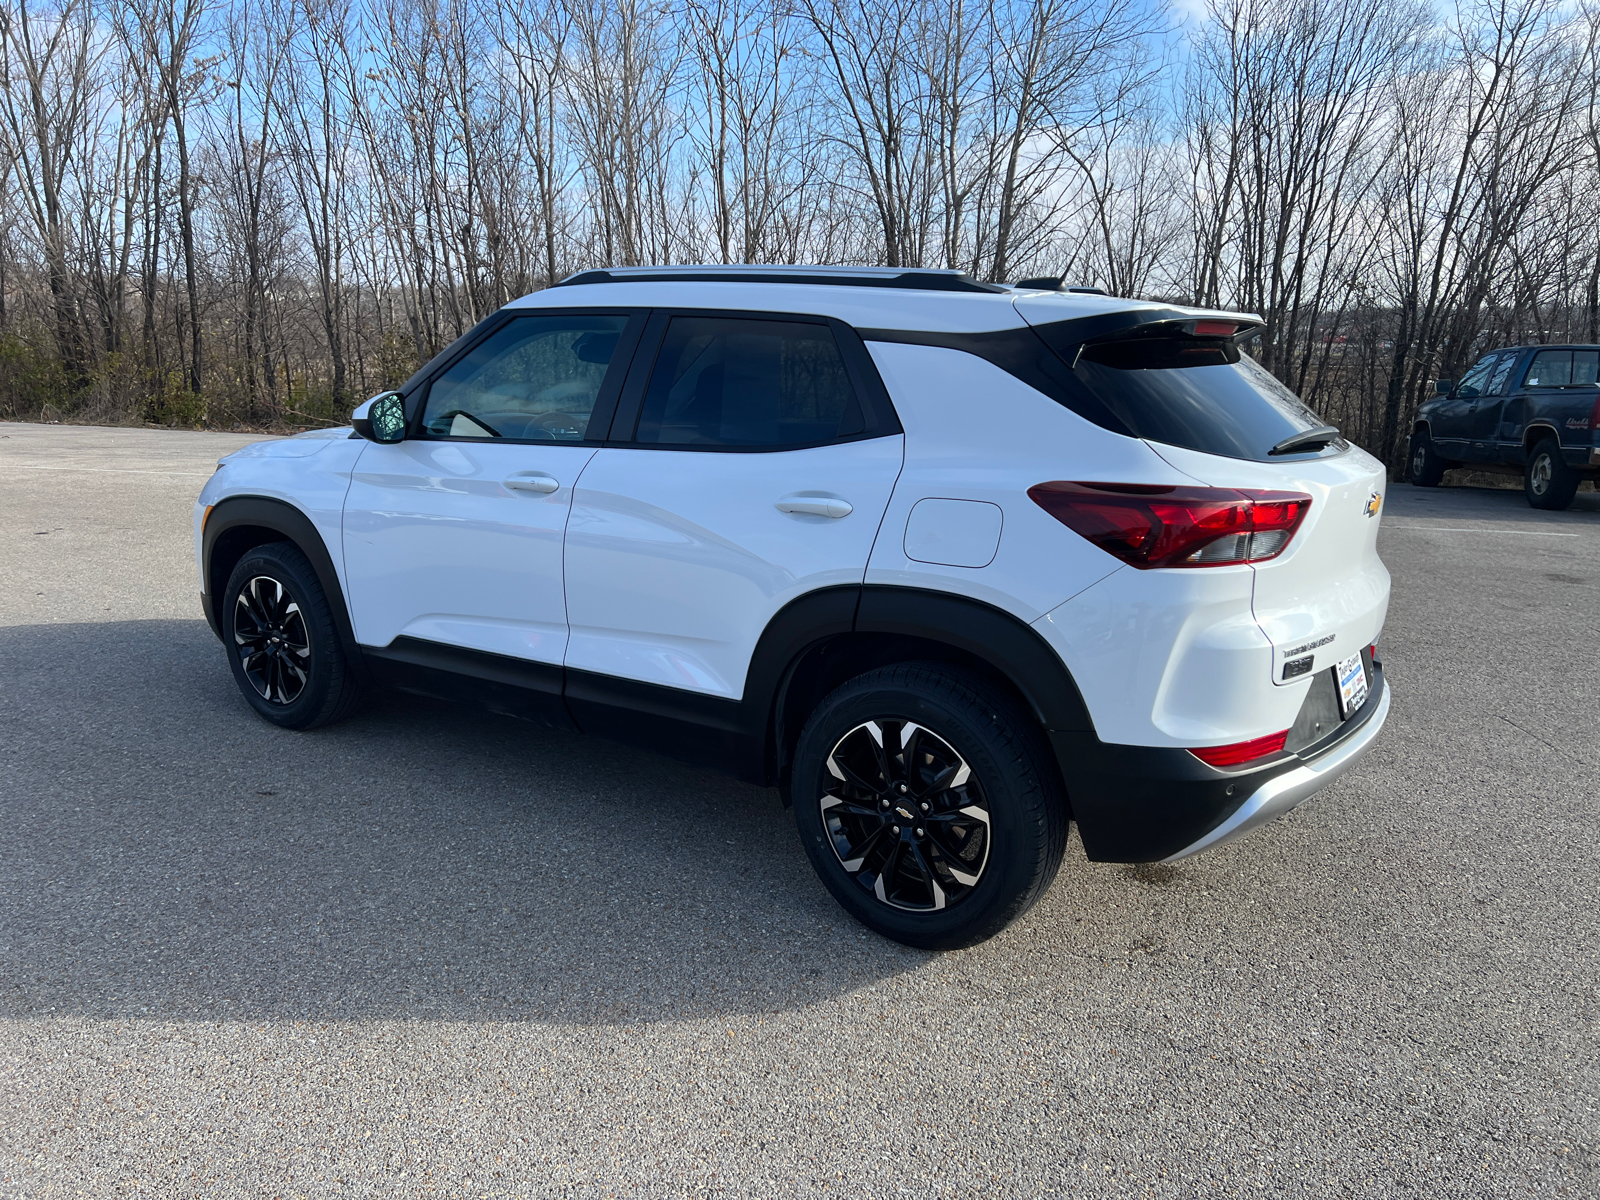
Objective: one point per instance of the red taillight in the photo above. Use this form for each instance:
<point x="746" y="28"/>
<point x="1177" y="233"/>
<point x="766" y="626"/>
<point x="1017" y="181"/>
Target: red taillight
<point x="1594" y="416"/>
<point x="1215" y="328"/>
<point x="1241" y="752"/>
<point x="1149" y="525"/>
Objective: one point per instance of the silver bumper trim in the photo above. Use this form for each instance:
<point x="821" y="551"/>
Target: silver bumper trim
<point x="1278" y="795"/>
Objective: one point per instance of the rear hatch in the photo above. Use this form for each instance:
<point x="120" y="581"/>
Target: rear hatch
<point x="1324" y="598"/>
<point x="1177" y="379"/>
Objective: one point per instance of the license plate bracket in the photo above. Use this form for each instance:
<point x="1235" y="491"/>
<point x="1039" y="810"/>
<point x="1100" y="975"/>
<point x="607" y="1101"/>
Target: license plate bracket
<point x="1350" y="677"/>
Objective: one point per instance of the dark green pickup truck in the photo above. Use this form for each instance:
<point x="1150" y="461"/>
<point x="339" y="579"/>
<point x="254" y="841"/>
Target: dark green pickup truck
<point x="1528" y="409"/>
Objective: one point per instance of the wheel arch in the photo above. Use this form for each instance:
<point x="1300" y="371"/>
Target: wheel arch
<point x="1536" y="432"/>
<point x="801" y="658"/>
<point x="239" y="524"/>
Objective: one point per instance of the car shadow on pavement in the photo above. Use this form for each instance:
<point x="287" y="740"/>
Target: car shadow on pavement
<point x="166" y="854"/>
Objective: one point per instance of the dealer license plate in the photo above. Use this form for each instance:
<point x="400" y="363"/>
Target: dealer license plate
<point x="1351" y="675"/>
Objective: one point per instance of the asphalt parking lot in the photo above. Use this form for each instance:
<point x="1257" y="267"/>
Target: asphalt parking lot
<point x="434" y="952"/>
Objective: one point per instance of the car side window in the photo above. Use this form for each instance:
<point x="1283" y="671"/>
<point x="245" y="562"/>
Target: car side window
<point x="1472" y="383"/>
<point x="1564" y="368"/>
<point x="535" y="378"/>
<point x="751" y="383"/>
<point x="1497" y="380"/>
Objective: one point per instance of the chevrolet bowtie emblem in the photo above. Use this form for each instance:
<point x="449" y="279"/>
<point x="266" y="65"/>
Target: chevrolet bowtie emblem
<point x="1374" y="503"/>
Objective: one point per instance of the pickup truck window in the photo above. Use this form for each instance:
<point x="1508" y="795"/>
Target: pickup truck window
<point x="1472" y="383"/>
<point x="1497" y="381"/>
<point x="1564" y="368"/>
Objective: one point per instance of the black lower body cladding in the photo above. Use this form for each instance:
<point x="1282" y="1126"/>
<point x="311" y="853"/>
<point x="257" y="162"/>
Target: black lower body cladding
<point x="1136" y="804"/>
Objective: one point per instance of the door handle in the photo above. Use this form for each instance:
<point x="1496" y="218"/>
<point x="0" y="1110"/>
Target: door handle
<point x="820" y="506"/>
<point x="532" y="481"/>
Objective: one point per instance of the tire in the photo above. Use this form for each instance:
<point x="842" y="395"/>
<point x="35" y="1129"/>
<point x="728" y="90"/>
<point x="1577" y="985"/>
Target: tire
<point x="942" y="866"/>
<point x="1547" y="480"/>
<point x="282" y="643"/>
<point x="1424" y="467"/>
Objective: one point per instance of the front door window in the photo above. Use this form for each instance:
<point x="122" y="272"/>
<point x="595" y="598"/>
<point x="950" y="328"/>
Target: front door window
<point x="535" y="379"/>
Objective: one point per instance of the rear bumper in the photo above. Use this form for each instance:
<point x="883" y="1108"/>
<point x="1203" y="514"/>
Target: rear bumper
<point x="1277" y="796"/>
<point x="1147" y="804"/>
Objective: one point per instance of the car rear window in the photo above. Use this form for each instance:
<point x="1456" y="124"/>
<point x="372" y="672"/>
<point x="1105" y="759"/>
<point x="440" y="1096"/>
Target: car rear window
<point x="1564" y="368"/>
<point x="1198" y="393"/>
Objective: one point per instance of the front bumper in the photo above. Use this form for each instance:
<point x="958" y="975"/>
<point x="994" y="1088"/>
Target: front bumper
<point x="1139" y="804"/>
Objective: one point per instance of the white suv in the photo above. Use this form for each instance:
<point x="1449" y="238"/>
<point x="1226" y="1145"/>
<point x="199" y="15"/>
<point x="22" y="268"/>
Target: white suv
<point x="948" y="563"/>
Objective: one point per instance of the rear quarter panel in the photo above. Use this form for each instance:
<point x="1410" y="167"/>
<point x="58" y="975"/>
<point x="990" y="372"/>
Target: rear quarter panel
<point x="974" y="432"/>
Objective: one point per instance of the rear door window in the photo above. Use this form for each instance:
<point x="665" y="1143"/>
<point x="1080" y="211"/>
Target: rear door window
<point x="1564" y="368"/>
<point x="748" y="383"/>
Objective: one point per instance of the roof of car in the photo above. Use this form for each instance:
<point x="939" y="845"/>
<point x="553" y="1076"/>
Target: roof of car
<point x="863" y="297"/>
<point x="1547" y="346"/>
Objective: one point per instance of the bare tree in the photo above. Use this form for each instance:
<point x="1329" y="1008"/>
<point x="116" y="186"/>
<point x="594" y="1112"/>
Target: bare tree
<point x="48" y="65"/>
<point x="279" y="203"/>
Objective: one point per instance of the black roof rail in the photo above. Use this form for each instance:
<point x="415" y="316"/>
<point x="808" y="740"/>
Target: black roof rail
<point x="912" y="279"/>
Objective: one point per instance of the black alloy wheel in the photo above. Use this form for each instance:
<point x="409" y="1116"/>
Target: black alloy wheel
<point x="929" y="803"/>
<point x="270" y="638"/>
<point x="282" y="642"/>
<point x="907" y="818"/>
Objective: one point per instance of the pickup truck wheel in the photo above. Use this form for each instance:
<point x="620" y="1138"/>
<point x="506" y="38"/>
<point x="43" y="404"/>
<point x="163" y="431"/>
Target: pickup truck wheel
<point x="1547" y="480"/>
<point x="925" y="801"/>
<point x="282" y="643"/>
<point x="1424" y="467"/>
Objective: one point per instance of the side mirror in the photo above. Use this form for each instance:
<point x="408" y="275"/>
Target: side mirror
<point x="381" y="419"/>
<point x="1443" y="387"/>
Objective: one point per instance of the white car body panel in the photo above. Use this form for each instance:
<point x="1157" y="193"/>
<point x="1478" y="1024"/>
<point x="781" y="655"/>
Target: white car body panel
<point x="973" y="432"/>
<point x="1327" y="594"/>
<point x="676" y="560"/>
<point x="1172" y="658"/>
<point x="438" y="547"/>
<point x="310" y="472"/>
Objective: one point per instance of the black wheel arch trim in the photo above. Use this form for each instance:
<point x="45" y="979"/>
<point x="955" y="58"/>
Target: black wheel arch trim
<point x="1015" y="649"/>
<point x="278" y="516"/>
<point x="1536" y="431"/>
